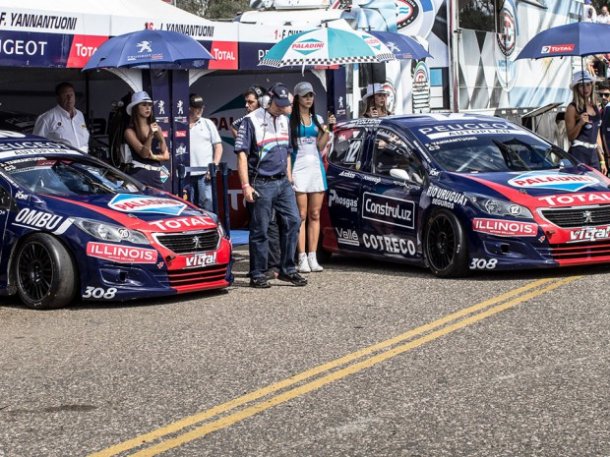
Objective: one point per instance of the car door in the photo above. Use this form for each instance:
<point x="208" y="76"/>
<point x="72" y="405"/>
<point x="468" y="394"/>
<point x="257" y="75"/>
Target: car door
<point x="6" y="202"/>
<point x="340" y="219"/>
<point x="392" y="184"/>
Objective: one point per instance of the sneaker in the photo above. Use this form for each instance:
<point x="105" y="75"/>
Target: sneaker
<point x="294" y="278"/>
<point x="260" y="283"/>
<point x="303" y="265"/>
<point x="313" y="262"/>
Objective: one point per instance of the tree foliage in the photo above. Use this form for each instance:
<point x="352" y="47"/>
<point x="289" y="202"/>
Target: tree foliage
<point x="226" y="9"/>
<point x="214" y="9"/>
<point x="197" y="7"/>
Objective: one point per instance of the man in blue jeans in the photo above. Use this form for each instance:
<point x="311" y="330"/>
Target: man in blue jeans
<point x="263" y="164"/>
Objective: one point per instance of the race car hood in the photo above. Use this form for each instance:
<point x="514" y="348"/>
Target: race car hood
<point x="575" y="186"/>
<point x="158" y="212"/>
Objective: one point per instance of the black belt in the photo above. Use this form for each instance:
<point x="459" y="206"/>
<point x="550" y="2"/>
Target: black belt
<point x="269" y="178"/>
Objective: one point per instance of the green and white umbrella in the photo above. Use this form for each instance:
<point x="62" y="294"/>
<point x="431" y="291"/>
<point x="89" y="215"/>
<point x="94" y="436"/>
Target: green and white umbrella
<point x="327" y="46"/>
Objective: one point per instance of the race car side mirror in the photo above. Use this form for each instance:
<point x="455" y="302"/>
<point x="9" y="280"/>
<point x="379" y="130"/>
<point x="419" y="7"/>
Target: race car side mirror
<point x="399" y="173"/>
<point x="403" y="175"/>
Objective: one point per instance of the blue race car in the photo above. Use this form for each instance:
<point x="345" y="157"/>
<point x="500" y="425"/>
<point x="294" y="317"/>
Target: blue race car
<point x="461" y="192"/>
<point x="74" y="227"/>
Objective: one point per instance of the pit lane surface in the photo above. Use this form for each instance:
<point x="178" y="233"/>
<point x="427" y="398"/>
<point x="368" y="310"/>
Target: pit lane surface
<point x="370" y="359"/>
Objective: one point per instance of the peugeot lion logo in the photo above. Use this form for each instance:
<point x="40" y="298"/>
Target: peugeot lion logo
<point x="588" y="217"/>
<point x="196" y="242"/>
<point x="144" y="46"/>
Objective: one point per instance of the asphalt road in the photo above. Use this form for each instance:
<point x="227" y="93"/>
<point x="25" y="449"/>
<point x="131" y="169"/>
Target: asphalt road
<point x="367" y="360"/>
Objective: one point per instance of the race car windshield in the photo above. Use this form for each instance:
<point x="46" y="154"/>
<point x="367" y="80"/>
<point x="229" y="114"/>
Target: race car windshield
<point x="68" y="178"/>
<point x="488" y="153"/>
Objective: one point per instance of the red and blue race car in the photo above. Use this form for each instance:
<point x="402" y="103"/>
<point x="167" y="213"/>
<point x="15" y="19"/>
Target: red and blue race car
<point x="461" y="192"/>
<point x="74" y="227"/>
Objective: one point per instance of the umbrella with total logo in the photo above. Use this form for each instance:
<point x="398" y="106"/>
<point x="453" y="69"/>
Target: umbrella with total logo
<point x="149" y="49"/>
<point x="577" y="39"/>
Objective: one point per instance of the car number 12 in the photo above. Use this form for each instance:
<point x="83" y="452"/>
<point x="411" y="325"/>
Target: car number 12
<point x="99" y="292"/>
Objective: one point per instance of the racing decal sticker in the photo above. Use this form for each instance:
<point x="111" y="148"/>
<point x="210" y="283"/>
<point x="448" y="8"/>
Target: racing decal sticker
<point x="200" y="260"/>
<point x="348" y="237"/>
<point x="501" y="227"/>
<point x="444" y="197"/>
<point x="121" y="254"/>
<point x="374" y="179"/>
<point x="483" y="264"/>
<point x="390" y="244"/>
<point x="335" y="200"/>
<point x="184" y="223"/>
<point x="387" y="210"/>
<point x="100" y="292"/>
<point x="589" y="234"/>
<point x="555" y="181"/>
<point x="569" y="200"/>
<point x="367" y="122"/>
<point x="32" y="218"/>
<point x="138" y="203"/>
<point x="468" y="129"/>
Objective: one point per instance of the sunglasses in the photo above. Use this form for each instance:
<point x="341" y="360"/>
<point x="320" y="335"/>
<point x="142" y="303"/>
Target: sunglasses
<point x="604" y="94"/>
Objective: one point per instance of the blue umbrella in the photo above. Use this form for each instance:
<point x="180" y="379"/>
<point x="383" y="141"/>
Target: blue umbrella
<point x="576" y="39"/>
<point x="402" y="46"/>
<point x="149" y="49"/>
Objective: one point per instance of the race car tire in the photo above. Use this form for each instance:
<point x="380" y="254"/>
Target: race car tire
<point x="45" y="273"/>
<point x="445" y="245"/>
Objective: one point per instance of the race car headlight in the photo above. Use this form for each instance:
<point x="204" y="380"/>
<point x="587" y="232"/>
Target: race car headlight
<point x="495" y="207"/>
<point x="110" y="232"/>
<point x="221" y="231"/>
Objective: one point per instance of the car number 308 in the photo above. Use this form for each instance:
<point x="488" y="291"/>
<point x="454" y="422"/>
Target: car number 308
<point x="483" y="264"/>
<point x="98" y="292"/>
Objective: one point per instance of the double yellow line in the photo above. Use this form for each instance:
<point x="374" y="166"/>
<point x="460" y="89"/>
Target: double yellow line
<point x="199" y="425"/>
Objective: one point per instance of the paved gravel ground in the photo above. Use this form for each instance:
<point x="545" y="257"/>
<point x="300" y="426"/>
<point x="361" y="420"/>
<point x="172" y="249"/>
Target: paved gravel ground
<point x="531" y="380"/>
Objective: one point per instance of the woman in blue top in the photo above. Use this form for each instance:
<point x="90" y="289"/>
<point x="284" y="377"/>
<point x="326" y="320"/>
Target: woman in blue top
<point x="583" y="120"/>
<point x="308" y="136"/>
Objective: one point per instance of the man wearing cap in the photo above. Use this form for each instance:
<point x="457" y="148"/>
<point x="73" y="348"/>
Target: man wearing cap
<point x="263" y="163"/>
<point x="64" y="123"/>
<point x="376" y="101"/>
<point x="206" y="148"/>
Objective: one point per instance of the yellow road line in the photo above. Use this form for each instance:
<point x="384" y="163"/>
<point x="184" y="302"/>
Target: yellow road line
<point x="255" y="395"/>
<point x="340" y="374"/>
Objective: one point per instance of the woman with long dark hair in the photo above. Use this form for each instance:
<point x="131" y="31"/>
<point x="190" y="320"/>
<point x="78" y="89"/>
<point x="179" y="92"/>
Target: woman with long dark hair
<point x="146" y="142"/>
<point x="376" y="101"/>
<point x="583" y="120"/>
<point x="308" y="137"/>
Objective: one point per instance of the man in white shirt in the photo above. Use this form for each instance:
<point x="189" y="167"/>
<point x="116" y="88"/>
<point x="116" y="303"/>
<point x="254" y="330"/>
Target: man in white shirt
<point x="206" y="147"/>
<point x="603" y="17"/>
<point x="64" y="123"/>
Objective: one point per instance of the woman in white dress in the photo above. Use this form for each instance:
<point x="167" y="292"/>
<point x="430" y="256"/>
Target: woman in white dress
<point x="308" y="136"/>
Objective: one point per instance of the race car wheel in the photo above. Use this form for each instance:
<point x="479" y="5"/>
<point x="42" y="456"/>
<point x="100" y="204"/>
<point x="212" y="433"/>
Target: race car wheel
<point x="445" y="245"/>
<point x="45" y="273"/>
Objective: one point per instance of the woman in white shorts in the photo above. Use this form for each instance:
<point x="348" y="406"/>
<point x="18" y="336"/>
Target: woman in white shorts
<point x="308" y="136"/>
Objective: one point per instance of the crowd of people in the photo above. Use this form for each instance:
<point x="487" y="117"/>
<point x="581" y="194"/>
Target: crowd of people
<point x="279" y="145"/>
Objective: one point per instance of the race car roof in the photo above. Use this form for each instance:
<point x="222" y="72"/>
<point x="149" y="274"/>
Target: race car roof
<point x="15" y="144"/>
